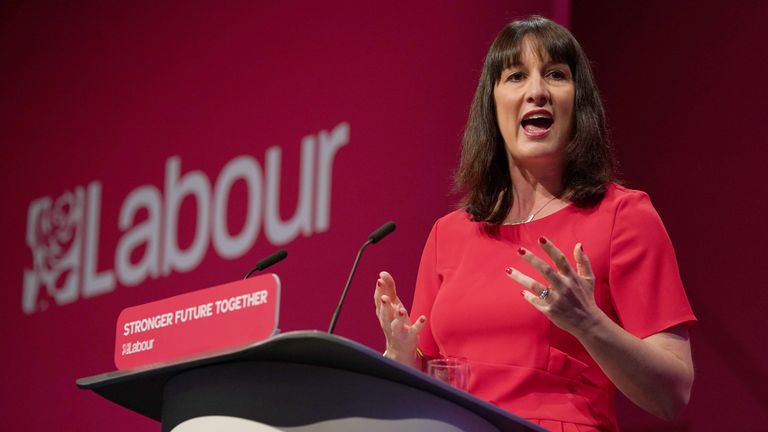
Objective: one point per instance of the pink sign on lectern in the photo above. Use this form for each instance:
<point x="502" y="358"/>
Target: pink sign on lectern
<point x="216" y="319"/>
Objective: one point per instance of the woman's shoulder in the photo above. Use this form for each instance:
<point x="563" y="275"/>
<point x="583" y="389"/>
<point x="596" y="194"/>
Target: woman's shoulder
<point x="620" y="206"/>
<point x="456" y="219"/>
<point x="619" y="197"/>
<point x="617" y="192"/>
<point x="458" y="216"/>
<point x="631" y="209"/>
<point x="457" y="222"/>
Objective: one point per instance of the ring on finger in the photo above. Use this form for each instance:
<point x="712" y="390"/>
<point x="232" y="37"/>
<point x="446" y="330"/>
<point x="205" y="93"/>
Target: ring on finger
<point x="544" y="294"/>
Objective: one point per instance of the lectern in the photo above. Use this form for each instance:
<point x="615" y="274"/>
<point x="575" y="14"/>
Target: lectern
<point x="299" y="381"/>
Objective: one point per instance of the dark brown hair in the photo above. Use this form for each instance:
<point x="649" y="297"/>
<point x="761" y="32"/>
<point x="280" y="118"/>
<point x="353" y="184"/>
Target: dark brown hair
<point x="483" y="174"/>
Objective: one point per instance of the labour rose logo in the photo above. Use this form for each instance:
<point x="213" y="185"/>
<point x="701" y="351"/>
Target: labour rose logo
<point x="54" y="237"/>
<point x="63" y="234"/>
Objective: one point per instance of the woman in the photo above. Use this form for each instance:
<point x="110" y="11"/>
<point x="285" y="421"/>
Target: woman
<point x="537" y="172"/>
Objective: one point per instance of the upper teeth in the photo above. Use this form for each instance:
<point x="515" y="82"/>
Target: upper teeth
<point x="537" y="116"/>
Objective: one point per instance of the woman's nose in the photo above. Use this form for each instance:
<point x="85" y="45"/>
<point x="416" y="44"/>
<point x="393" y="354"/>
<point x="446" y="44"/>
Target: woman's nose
<point x="538" y="94"/>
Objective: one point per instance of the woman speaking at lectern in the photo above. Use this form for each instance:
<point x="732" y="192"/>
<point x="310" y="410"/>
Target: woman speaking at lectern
<point x="556" y="284"/>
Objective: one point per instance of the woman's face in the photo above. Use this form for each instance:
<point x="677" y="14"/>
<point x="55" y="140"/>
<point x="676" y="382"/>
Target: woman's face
<point x="534" y="108"/>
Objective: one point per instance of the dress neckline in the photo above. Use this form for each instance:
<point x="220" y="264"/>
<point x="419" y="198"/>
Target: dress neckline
<point x="562" y="210"/>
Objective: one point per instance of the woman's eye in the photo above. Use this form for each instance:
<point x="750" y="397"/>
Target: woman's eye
<point x="557" y="75"/>
<point x="515" y="76"/>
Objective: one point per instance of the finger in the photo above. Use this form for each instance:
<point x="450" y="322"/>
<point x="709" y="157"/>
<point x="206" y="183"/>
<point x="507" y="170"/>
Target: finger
<point x="419" y="325"/>
<point x="525" y="280"/>
<point x="539" y="264"/>
<point x="377" y="293"/>
<point x="400" y="321"/>
<point x="537" y="302"/>
<point x="395" y="302"/>
<point x="558" y="257"/>
<point x="401" y="313"/>
<point x="387" y="278"/>
<point x="382" y="307"/>
<point x="387" y="311"/>
<point x="386" y="285"/>
<point x="583" y="265"/>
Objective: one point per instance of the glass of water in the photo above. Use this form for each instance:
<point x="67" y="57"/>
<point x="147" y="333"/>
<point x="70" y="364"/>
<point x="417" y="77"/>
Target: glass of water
<point x="450" y="370"/>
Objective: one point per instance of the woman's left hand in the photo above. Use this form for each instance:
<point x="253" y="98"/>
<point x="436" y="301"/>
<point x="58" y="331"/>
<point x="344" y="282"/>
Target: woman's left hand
<point x="569" y="300"/>
<point x="655" y="372"/>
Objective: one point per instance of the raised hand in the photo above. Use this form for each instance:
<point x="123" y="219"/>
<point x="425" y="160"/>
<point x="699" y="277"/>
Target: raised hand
<point x="655" y="372"/>
<point x="401" y="333"/>
<point x="569" y="299"/>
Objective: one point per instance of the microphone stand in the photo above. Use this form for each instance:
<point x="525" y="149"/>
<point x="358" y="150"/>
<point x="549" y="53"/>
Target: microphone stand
<point x="346" y="287"/>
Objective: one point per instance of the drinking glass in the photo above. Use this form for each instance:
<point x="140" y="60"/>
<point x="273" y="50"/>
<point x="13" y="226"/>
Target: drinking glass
<point x="451" y="370"/>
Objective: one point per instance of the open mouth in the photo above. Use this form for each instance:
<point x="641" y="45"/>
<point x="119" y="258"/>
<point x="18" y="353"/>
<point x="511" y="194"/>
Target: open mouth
<point x="537" y="123"/>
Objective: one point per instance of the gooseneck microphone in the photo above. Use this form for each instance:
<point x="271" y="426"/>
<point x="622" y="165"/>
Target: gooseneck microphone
<point x="268" y="262"/>
<point x="382" y="232"/>
<point x="374" y="238"/>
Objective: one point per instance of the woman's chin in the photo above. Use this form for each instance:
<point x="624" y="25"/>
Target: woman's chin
<point x="537" y="152"/>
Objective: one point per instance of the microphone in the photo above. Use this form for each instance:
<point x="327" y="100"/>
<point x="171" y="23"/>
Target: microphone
<point x="374" y="238"/>
<point x="382" y="232"/>
<point x="268" y="262"/>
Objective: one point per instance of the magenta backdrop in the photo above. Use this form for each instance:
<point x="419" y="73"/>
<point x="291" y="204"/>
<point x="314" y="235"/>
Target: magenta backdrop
<point x="116" y="94"/>
<point x="684" y="86"/>
<point x="106" y="107"/>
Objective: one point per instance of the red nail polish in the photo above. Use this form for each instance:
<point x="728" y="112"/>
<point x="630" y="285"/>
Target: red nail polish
<point x="542" y="240"/>
<point x="521" y="251"/>
<point x="581" y="246"/>
<point x="522" y="293"/>
<point x="508" y="270"/>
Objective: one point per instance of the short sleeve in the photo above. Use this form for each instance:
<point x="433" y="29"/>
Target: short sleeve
<point x="645" y="285"/>
<point x="427" y="284"/>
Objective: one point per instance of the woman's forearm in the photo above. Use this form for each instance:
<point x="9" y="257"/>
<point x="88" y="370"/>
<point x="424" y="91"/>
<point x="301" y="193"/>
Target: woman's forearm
<point x="656" y="373"/>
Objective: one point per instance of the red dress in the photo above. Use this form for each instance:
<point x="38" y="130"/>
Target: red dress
<point x="518" y="359"/>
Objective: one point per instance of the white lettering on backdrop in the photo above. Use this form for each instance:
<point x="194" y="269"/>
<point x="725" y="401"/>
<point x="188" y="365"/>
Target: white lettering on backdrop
<point x="64" y="231"/>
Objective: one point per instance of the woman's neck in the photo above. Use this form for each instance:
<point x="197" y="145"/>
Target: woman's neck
<point x="533" y="190"/>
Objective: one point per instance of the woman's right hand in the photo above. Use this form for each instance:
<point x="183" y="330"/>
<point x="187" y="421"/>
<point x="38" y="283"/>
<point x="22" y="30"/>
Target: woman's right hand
<point x="402" y="335"/>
